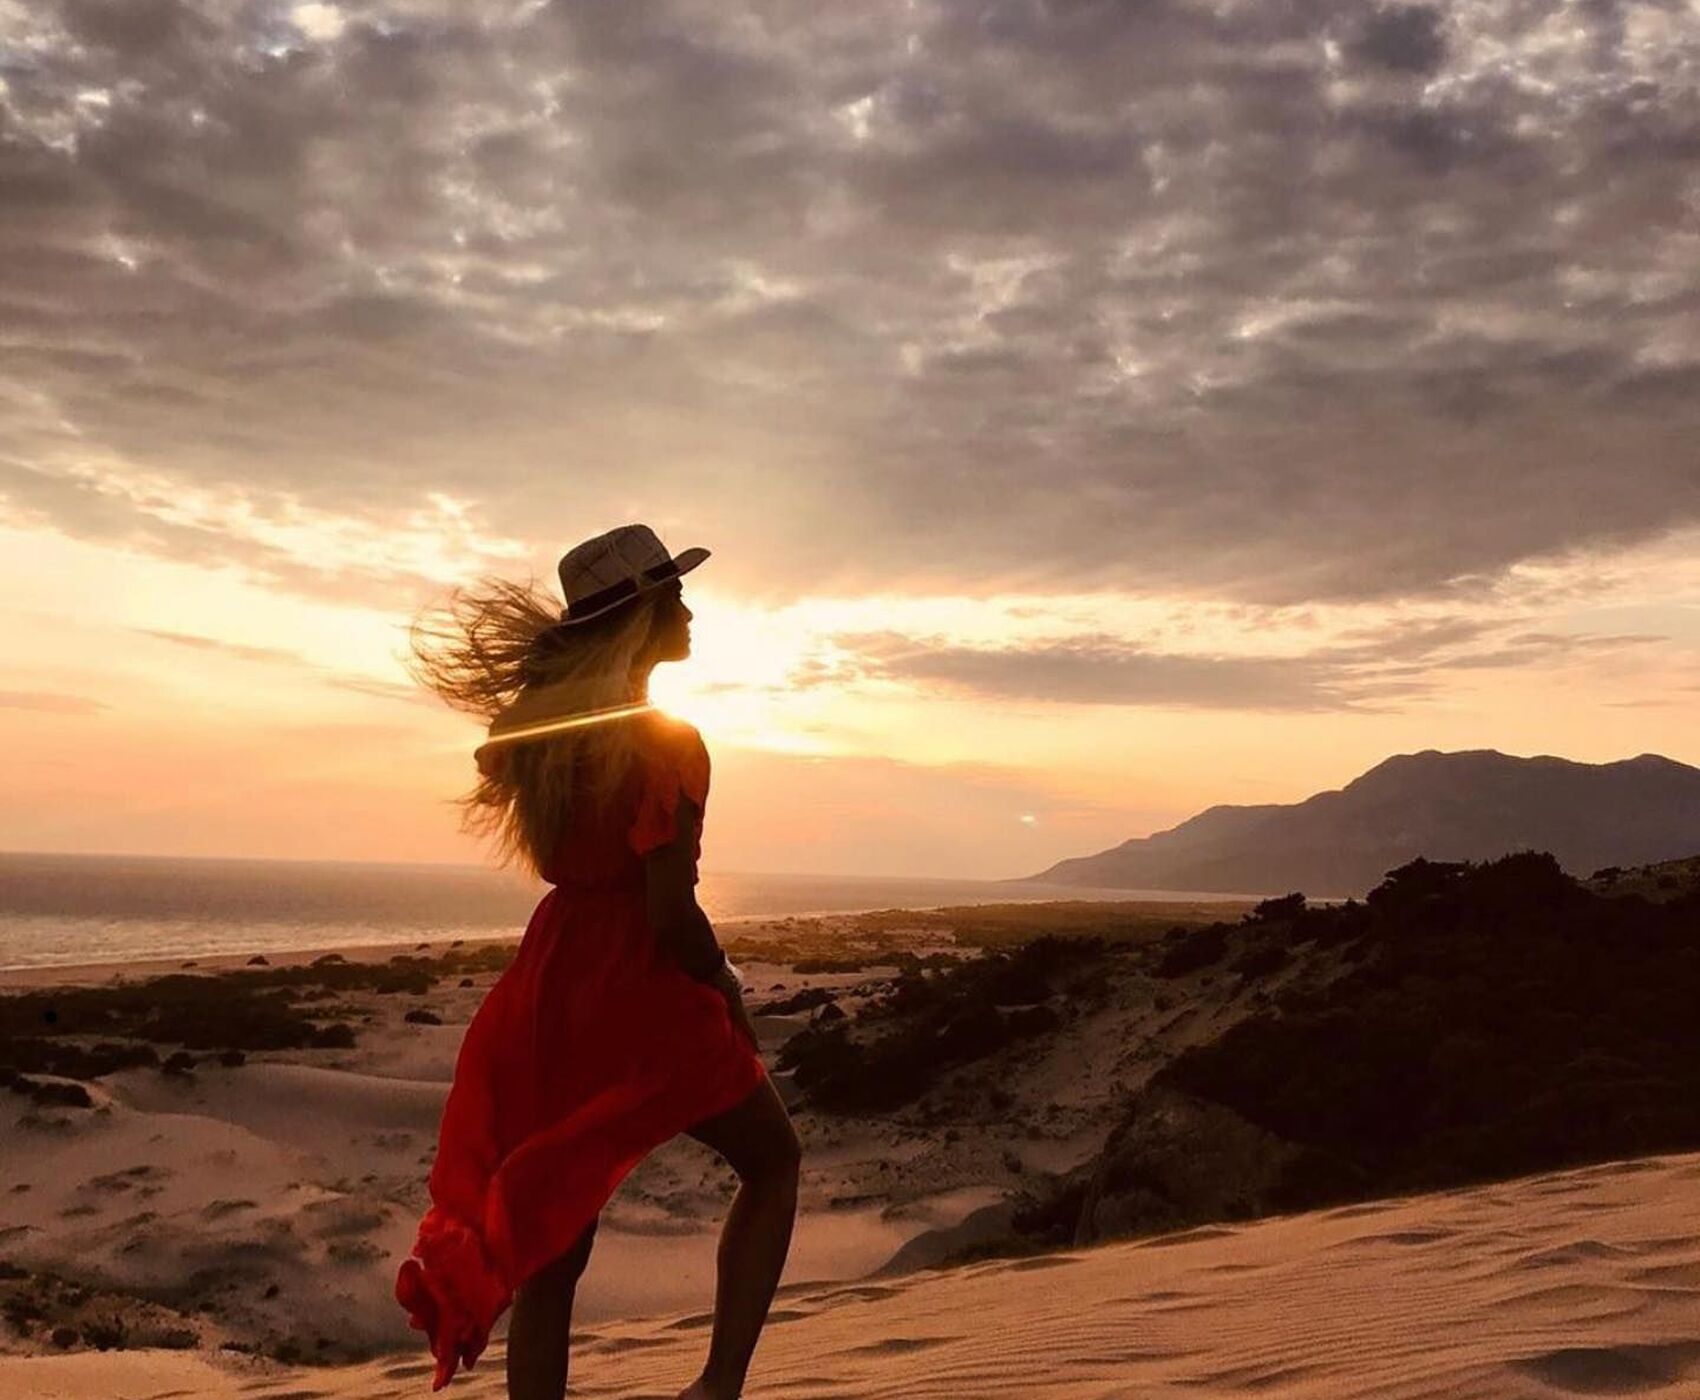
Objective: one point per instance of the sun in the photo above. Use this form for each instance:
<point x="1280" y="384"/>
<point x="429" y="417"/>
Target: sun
<point x="736" y="686"/>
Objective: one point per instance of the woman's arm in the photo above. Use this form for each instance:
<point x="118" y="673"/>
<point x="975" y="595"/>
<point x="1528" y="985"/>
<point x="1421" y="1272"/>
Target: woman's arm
<point x="679" y="924"/>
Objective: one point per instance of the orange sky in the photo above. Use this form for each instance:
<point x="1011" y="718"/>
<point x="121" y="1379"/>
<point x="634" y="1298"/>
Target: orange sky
<point x="164" y="707"/>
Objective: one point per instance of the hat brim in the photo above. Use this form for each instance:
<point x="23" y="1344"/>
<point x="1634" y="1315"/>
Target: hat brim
<point x="685" y="560"/>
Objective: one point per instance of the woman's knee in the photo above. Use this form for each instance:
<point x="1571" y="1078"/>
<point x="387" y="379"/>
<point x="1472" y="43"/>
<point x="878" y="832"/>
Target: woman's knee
<point x="781" y="1159"/>
<point x="564" y="1270"/>
<point x="756" y="1138"/>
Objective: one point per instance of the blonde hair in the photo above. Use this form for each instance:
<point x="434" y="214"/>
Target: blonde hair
<point x="495" y="650"/>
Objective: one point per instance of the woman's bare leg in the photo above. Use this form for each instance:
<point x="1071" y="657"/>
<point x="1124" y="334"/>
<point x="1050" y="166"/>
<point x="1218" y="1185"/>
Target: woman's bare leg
<point x="540" y="1330"/>
<point x="757" y="1138"/>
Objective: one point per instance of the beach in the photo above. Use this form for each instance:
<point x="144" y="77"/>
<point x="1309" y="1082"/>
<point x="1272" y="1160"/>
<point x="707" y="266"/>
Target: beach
<point x="221" y="1221"/>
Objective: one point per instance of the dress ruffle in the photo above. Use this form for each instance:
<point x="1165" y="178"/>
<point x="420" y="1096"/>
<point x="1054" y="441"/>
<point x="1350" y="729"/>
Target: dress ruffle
<point x="452" y="1292"/>
<point x="460" y="1280"/>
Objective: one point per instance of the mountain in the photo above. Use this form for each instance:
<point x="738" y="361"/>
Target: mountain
<point x="1475" y="805"/>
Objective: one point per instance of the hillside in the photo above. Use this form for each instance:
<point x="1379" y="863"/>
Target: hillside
<point x="1472" y="805"/>
<point x="1465" y="1023"/>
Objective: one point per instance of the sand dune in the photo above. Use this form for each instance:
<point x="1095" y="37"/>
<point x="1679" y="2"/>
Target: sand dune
<point x="1581" y="1282"/>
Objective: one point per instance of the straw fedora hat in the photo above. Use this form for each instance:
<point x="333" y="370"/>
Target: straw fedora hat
<point x="613" y="568"/>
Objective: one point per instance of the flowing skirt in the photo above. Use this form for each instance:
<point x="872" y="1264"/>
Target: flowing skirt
<point x="589" y="1051"/>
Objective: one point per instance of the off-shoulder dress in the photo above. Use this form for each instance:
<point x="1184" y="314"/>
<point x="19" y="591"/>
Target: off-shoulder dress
<point x="592" y="1048"/>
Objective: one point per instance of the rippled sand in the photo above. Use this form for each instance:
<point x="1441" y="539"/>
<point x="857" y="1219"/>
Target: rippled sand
<point x="1581" y="1282"/>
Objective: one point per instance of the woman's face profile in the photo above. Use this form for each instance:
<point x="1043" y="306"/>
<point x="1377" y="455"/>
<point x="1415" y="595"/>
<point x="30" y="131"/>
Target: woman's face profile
<point x="670" y="629"/>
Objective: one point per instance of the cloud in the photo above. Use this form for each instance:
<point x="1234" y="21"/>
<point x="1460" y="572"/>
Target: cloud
<point x="1386" y="668"/>
<point x="1404" y="38"/>
<point x="50" y="703"/>
<point x="284" y="656"/>
<point x="236" y="649"/>
<point x="1277" y="303"/>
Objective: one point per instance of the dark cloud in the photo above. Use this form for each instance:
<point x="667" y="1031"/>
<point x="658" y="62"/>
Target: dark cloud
<point x="48" y="702"/>
<point x="1277" y="302"/>
<point x="1382" y="669"/>
<point x="1405" y="38"/>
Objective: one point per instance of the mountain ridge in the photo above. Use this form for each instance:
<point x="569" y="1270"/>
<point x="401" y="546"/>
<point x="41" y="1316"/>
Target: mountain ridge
<point x="1463" y="804"/>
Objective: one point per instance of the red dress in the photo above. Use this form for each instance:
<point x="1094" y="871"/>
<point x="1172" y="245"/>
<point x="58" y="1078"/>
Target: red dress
<point x="590" y="1050"/>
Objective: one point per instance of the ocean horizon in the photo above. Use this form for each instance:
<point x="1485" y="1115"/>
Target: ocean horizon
<point x="66" y="910"/>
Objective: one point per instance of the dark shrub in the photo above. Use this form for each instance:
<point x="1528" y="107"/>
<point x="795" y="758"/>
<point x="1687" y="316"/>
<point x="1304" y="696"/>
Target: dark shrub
<point x="801" y="1001"/>
<point x="1260" y="959"/>
<point x="1287" y="906"/>
<point x="337" y="1036"/>
<point x="1201" y="948"/>
<point x="1499" y="1019"/>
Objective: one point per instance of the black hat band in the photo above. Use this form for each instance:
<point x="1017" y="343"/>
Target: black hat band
<point x="615" y="592"/>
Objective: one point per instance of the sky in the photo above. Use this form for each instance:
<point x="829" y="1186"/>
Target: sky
<point x="1096" y="411"/>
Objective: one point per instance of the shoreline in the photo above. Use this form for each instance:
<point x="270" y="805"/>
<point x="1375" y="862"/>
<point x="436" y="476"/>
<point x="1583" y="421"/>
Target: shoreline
<point x="745" y="926"/>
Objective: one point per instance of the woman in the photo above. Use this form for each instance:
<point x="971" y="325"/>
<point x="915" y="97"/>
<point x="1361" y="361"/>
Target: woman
<point x="619" y="1023"/>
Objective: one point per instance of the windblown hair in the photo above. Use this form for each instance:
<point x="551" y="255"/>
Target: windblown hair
<point x="494" y="650"/>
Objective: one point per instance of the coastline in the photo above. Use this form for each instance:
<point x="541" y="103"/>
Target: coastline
<point x="68" y="910"/>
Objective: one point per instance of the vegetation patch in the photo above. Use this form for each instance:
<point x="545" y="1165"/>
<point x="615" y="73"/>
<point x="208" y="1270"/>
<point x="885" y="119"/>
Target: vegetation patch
<point x="1487" y="1021"/>
<point x="931" y="1021"/>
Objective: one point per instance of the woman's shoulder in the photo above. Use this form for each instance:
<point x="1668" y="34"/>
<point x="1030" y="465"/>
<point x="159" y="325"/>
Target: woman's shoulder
<point x="671" y="731"/>
<point x="677" y="754"/>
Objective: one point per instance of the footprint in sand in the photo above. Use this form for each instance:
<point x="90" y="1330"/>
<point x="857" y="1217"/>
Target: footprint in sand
<point x="867" y="1292"/>
<point x="411" y="1370"/>
<point x="1628" y="1369"/>
<point x="1593" y="1296"/>
<point x="897" y="1346"/>
<point x="286" y="1394"/>
<point x="616" y="1345"/>
<point x="695" y="1320"/>
<point x="1397" y="1237"/>
<point x="1570" y="1253"/>
<point x="125" y="1180"/>
<point x="1685" y="1276"/>
<point x="1632" y="1167"/>
<point x="1256" y="1377"/>
<point x="1203" y="1232"/>
<point x="1093" y="1361"/>
<point x="1042" y="1261"/>
<point x="1663" y="1244"/>
<point x="1352" y="1212"/>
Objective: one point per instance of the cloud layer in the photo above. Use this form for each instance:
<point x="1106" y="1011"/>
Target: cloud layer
<point x="1278" y="302"/>
<point x="1380" y="672"/>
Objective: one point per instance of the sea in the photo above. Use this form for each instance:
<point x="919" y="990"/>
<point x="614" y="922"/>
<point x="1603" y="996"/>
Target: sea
<point x="68" y="910"/>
